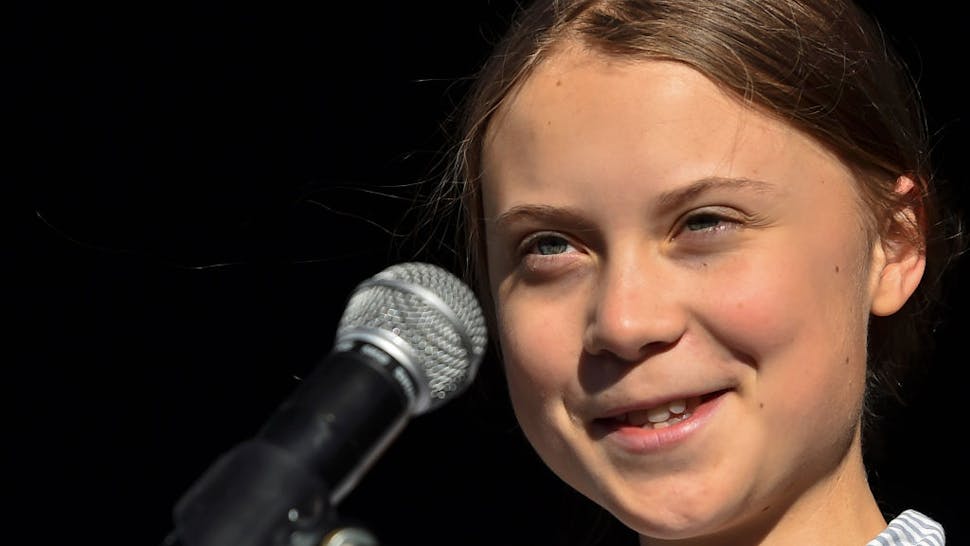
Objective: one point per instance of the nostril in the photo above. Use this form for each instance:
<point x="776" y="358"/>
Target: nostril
<point x="625" y="358"/>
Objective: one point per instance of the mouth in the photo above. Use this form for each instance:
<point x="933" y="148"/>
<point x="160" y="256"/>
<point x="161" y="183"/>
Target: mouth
<point x="660" y="416"/>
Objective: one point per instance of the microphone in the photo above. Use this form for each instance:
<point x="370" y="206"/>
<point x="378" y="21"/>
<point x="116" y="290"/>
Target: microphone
<point x="410" y="339"/>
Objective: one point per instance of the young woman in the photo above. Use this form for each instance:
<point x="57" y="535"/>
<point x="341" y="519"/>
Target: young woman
<point x="704" y="230"/>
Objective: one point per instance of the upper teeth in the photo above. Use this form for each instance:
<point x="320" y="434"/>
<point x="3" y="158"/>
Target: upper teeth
<point x="663" y="415"/>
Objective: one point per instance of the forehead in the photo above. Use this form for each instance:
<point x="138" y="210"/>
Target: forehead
<point x="579" y="84"/>
<point x="584" y="115"/>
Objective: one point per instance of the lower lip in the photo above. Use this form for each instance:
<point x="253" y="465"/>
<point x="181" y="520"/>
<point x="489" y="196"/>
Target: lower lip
<point x="638" y="440"/>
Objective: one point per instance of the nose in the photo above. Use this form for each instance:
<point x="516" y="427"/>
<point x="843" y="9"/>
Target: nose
<point x="634" y="312"/>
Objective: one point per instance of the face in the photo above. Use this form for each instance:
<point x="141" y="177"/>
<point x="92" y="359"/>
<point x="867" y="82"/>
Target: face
<point x="682" y="288"/>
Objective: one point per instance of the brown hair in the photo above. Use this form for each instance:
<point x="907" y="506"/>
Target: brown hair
<point x="822" y="66"/>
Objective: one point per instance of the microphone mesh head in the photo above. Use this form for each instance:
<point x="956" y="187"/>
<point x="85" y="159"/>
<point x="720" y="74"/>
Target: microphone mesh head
<point x="432" y="315"/>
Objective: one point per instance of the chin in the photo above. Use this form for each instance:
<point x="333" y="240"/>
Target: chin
<point x="678" y="515"/>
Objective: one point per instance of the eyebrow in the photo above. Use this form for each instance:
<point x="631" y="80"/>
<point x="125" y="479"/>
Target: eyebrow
<point x="669" y="200"/>
<point x="544" y="214"/>
<point x="679" y="197"/>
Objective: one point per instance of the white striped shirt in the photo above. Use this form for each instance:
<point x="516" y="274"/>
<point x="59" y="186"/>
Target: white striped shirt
<point x="911" y="528"/>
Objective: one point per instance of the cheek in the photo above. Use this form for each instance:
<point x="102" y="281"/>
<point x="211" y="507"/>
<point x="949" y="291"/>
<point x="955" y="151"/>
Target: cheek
<point x="789" y="292"/>
<point x="541" y="341"/>
<point x="802" y="326"/>
<point x="533" y="350"/>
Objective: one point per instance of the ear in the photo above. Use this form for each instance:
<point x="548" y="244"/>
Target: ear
<point x="899" y="257"/>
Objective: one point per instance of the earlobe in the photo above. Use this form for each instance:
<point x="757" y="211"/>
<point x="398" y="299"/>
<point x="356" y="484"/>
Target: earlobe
<point x="900" y="255"/>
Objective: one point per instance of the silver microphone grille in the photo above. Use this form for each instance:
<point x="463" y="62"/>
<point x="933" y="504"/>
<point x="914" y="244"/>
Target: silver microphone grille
<point x="428" y="320"/>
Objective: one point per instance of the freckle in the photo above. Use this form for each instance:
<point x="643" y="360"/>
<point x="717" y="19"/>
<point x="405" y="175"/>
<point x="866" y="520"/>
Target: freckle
<point x="558" y="83"/>
<point x="761" y="405"/>
<point x="846" y="360"/>
<point x="836" y="269"/>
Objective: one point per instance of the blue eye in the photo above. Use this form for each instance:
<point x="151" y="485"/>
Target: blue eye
<point x="549" y="244"/>
<point x="704" y="222"/>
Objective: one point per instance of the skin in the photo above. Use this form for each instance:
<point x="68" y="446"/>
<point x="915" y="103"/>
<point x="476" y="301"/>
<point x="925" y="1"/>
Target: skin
<point x="650" y="238"/>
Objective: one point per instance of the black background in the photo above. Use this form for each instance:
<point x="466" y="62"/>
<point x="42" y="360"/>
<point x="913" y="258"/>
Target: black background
<point x="205" y="184"/>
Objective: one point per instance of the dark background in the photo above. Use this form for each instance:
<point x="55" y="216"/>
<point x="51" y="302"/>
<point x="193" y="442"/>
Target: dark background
<point x="204" y="186"/>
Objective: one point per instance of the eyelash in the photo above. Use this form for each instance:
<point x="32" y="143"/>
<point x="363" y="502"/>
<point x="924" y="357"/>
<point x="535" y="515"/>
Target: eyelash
<point x="722" y="222"/>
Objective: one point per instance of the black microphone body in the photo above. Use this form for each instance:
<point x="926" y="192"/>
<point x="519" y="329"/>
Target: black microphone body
<point x="287" y="479"/>
<point x="410" y="339"/>
<point x="342" y="416"/>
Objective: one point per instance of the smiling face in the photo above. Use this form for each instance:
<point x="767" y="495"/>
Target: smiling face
<point x="659" y="253"/>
